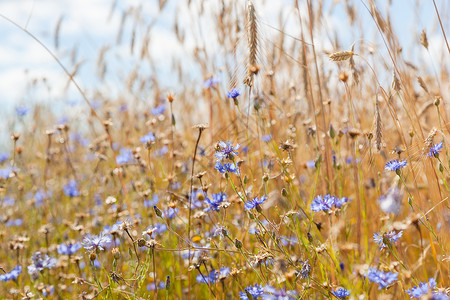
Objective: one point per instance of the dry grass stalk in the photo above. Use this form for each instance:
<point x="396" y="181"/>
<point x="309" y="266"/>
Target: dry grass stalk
<point x="341" y="55"/>
<point x="396" y="82"/>
<point x="252" y="35"/>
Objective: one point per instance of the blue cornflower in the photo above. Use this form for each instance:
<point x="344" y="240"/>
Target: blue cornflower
<point x="159" y="110"/>
<point x="148" y="138"/>
<point x="234" y="93"/>
<point x="69" y="248"/>
<point x="338" y="202"/>
<point x="395" y="165"/>
<point x="324" y="203"/>
<point x="226" y="167"/>
<point x="40" y="263"/>
<point x="163" y="151"/>
<point x="211" y="82"/>
<point x="266" y="138"/>
<point x="223" y="272"/>
<point x="5" y="173"/>
<point x="341" y="293"/>
<point x="305" y="270"/>
<point x="255" y="202"/>
<point x="125" y="156"/>
<point x="151" y="203"/>
<point x="422" y="289"/>
<point x="22" y="111"/>
<point x="439" y="296"/>
<point x="435" y="150"/>
<point x="271" y="293"/>
<point x="11" y="275"/>
<point x="226" y="150"/>
<point x="387" y="238"/>
<point x="93" y="242"/>
<point x="383" y="279"/>
<point x="71" y="189"/>
<point x="254" y="291"/>
<point x="211" y="278"/>
<point x="15" y="222"/>
<point x="4" y="156"/>
<point x="215" y="202"/>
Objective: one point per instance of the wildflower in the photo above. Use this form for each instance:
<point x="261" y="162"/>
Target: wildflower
<point x="391" y="203"/>
<point x="94" y="242"/>
<point x="226" y="167"/>
<point x="71" y="189"/>
<point x="69" y="248"/>
<point x="4" y="156"/>
<point x="5" y="173"/>
<point x="266" y="138"/>
<point x="435" y="150"/>
<point x="22" y="111"/>
<point x="234" y="93"/>
<point x="439" y="296"/>
<point x="383" y="279"/>
<point x="305" y="270"/>
<point x="217" y="199"/>
<point x="341" y="293"/>
<point x="223" y="272"/>
<point x="40" y="263"/>
<point x="211" y="278"/>
<point x="163" y="151"/>
<point x="271" y="293"/>
<point x="150" y="203"/>
<point x="148" y="138"/>
<point x="13" y="223"/>
<point x="395" y="165"/>
<point x="11" y="275"/>
<point x="226" y="150"/>
<point x="210" y="82"/>
<point x="387" y="238"/>
<point x="159" y="110"/>
<point x="422" y="289"/>
<point x="254" y="291"/>
<point x="324" y="203"/>
<point x="125" y="156"/>
<point x="338" y="202"/>
<point x="255" y="202"/>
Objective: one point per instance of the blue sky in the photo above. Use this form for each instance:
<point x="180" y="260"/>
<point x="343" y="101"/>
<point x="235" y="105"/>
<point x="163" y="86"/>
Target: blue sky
<point x="89" y="25"/>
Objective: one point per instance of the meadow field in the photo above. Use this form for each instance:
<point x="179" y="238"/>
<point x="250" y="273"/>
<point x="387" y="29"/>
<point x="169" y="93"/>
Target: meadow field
<point x="291" y="150"/>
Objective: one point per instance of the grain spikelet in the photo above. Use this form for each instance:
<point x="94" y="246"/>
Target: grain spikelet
<point x="424" y="39"/>
<point x="422" y="84"/>
<point x="57" y="30"/>
<point x="341" y="55"/>
<point x="378" y="134"/>
<point x="252" y="67"/>
<point x="395" y="82"/>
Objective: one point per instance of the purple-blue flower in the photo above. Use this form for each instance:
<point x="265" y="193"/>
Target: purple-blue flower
<point x="422" y="289"/>
<point x="22" y="110"/>
<point x="234" y="93"/>
<point x="4" y="156"/>
<point x="391" y="203"/>
<point x="384" y="239"/>
<point x="11" y="275"/>
<point x="211" y="82"/>
<point x="40" y="263"/>
<point x="125" y="156"/>
<point x="435" y="150"/>
<point x="324" y="203"/>
<point x="255" y="202"/>
<point x="226" y="167"/>
<point x="341" y="293"/>
<point x="266" y="138"/>
<point x="395" y="165"/>
<point x="226" y="150"/>
<point x="383" y="279"/>
<point x="148" y="138"/>
<point x="215" y="202"/>
<point x="159" y="110"/>
<point x="71" y="189"/>
<point x="68" y="248"/>
<point x="255" y="291"/>
<point x="93" y="242"/>
<point x="439" y="296"/>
